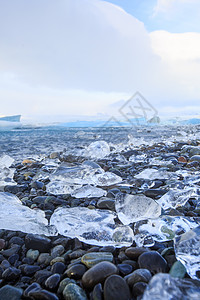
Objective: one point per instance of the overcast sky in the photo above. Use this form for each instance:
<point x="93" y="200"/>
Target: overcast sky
<point x="78" y="57"/>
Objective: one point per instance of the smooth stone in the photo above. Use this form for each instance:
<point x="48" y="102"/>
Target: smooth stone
<point x="115" y="287"/>
<point x="8" y="292"/>
<point x="58" y="267"/>
<point x="139" y="275"/>
<point x="106" y="203"/>
<point x="74" y="292"/>
<point x="33" y="254"/>
<point x="5" y="264"/>
<point x="33" y="287"/>
<point x="57" y="259"/>
<point x="110" y="249"/>
<point x="37" y="242"/>
<point x="152" y="261"/>
<point x="154" y="193"/>
<point x="13" y="259"/>
<point x="16" y="240"/>
<point x="125" y="269"/>
<point x="2" y="244"/>
<point x="76" y="271"/>
<point x="195" y="158"/>
<point x="11" y="273"/>
<point x="139" y="288"/>
<point x="42" y="275"/>
<point x="57" y="251"/>
<point x="30" y="270"/>
<point x="64" y="283"/>
<point x="44" y="259"/>
<point x="135" y="252"/>
<point x="52" y="281"/>
<point x="98" y="274"/>
<point x="177" y="270"/>
<point x="97" y="293"/>
<point x="93" y="258"/>
<point x="76" y="254"/>
<point x="42" y="295"/>
<point x="11" y="251"/>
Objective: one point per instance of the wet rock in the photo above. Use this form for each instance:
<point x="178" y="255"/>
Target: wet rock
<point x="98" y="273"/>
<point x="135" y="252"/>
<point x="37" y="242"/>
<point x="13" y="250"/>
<point x="57" y="251"/>
<point x="76" y="271"/>
<point x="152" y="261"/>
<point x="139" y="288"/>
<point x="9" y="292"/>
<point x="74" y="292"/>
<point x="41" y="276"/>
<point x="93" y="258"/>
<point x="106" y="203"/>
<point x="2" y="244"/>
<point x="44" y="259"/>
<point x="64" y="283"/>
<point x="33" y="254"/>
<point x="115" y="287"/>
<point x="139" y="275"/>
<point x="58" y="267"/>
<point x="11" y="273"/>
<point x="30" y="270"/>
<point x="97" y="293"/>
<point x="125" y="269"/>
<point x="177" y="270"/>
<point x="52" y="281"/>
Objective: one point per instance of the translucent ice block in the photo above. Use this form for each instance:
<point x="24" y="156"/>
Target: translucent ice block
<point x="187" y="250"/>
<point x="153" y="174"/>
<point x="15" y="216"/>
<point x="175" y="198"/>
<point x="165" y="287"/>
<point x="6" y="173"/>
<point x="98" y="149"/>
<point x="96" y="227"/>
<point x="132" y="208"/>
<point x="88" y="191"/>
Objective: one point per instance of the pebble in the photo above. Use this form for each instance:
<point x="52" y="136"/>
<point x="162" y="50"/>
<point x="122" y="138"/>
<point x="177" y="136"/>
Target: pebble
<point x="2" y="244"/>
<point x="52" y="281"/>
<point x="58" y="267"/>
<point x="139" y="275"/>
<point x="106" y="204"/>
<point x="37" y="242"/>
<point x="97" y="293"/>
<point x="135" y="252"/>
<point x="64" y="283"/>
<point x="76" y="271"/>
<point x="8" y="292"/>
<point x="74" y="292"/>
<point x="125" y="269"/>
<point x="177" y="270"/>
<point x="57" y="251"/>
<point x="139" y="288"/>
<point x="152" y="261"/>
<point x="98" y="274"/>
<point x="11" y="273"/>
<point x="115" y="287"/>
<point x="93" y="258"/>
<point x="33" y="254"/>
<point x="44" y="259"/>
<point x="42" y="275"/>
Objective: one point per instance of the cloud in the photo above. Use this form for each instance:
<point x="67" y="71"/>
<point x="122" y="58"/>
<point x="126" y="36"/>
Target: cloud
<point x="77" y="57"/>
<point x="165" y="6"/>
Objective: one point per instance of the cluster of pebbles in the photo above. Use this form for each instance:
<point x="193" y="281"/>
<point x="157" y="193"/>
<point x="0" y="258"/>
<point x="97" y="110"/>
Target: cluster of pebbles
<point x="51" y="268"/>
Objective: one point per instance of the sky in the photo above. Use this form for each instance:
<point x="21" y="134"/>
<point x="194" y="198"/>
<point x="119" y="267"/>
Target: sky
<point x="69" y="59"/>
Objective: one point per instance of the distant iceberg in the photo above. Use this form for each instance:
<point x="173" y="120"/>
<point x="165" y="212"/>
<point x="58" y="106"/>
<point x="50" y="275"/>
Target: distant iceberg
<point x="10" y="122"/>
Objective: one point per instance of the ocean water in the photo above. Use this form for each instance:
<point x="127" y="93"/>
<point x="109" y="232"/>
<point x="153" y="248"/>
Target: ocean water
<point x="30" y="143"/>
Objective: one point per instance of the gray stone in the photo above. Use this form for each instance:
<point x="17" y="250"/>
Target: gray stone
<point x="8" y="292"/>
<point x="74" y="292"/>
<point x="115" y="287"/>
<point x="93" y="258"/>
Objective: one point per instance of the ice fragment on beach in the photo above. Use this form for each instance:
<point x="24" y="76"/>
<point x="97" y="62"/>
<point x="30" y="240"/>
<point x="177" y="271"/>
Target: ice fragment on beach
<point x="165" y="287"/>
<point x="163" y="229"/>
<point x="133" y="208"/>
<point x="88" y="191"/>
<point x="96" y="227"/>
<point x="58" y="187"/>
<point x="98" y="149"/>
<point x="17" y="217"/>
<point x="6" y="173"/>
<point x="153" y="174"/>
<point x="187" y="250"/>
<point x="138" y="158"/>
<point x="175" y="198"/>
<point x="106" y="179"/>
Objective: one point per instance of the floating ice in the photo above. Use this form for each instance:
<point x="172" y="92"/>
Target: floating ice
<point x="133" y="208"/>
<point x="153" y="174"/>
<point x="17" y="217"/>
<point x="88" y="191"/>
<point x="163" y="229"/>
<point x="98" y="149"/>
<point x="6" y="173"/>
<point x="175" y="198"/>
<point x="165" y="287"/>
<point x="96" y="227"/>
<point x="187" y="250"/>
